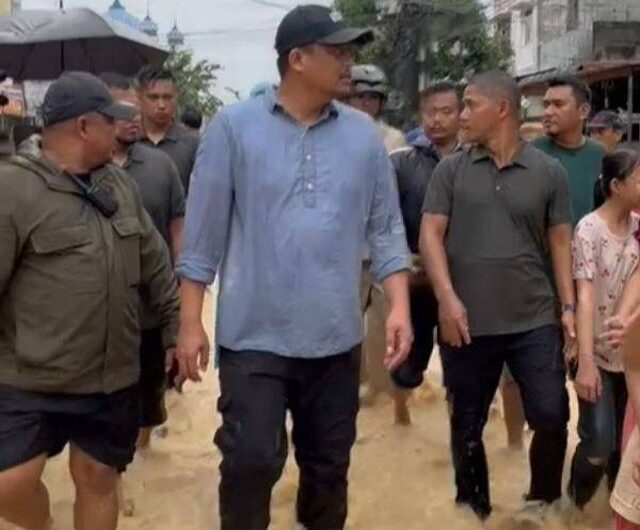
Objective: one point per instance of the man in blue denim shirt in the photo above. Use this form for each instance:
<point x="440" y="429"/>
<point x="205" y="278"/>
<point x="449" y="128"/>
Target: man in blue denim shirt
<point x="287" y="190"/>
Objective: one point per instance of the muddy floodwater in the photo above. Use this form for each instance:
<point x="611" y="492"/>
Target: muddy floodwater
<point x="400" y="477"/>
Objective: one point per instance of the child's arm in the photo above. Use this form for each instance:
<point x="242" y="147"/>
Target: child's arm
<point x="632" y="367"/>
<point x="585" y="268"/>
<point x="588" y="384"/>
<point x="627" y="313"/>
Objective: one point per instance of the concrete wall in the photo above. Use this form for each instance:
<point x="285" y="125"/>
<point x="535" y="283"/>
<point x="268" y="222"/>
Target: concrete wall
<point x="559" y="46"/>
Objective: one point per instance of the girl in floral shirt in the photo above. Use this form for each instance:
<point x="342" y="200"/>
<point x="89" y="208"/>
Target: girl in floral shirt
<point x="605" y="255"/>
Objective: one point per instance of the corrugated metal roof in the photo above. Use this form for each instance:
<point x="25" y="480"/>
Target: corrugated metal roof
<point x="591" y="71"/>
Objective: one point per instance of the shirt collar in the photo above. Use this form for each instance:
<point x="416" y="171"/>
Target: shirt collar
<point x="132" y="156"/>
<point x="522" y="158"/>
<point x="172" y="135"/>
<point x="53" y="175"/>
<point x="273" y="105"/>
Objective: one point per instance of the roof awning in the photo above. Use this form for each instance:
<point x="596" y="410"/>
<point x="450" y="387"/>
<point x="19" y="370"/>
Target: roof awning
<point x="591" y="72"/>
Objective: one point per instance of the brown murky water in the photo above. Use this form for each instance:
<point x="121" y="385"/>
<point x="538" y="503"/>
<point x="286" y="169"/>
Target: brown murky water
<point x="400" y="476"/>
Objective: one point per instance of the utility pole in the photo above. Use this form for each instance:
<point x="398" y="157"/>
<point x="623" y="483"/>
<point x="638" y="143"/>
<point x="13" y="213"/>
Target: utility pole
<point x="539" y="34"/>
<point x="409" y="23"/>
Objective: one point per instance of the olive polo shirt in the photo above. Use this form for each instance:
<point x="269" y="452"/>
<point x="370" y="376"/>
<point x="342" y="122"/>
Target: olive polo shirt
<point x="181" y="146"/>
<point x="497" y="233"/>
<point x="159" y="183"/>
<point x="162" y="197"/>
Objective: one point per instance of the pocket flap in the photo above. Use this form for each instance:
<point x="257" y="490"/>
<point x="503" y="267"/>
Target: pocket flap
<point x="60" y="239"/>
<point x="127" y="226"/>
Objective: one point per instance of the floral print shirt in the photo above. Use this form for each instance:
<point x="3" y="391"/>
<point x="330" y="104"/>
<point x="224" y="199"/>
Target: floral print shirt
<point x="608" y="261"/>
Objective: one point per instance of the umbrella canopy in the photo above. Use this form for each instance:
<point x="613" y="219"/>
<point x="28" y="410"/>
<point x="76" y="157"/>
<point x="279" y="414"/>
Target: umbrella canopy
<point x="41" y="44"/>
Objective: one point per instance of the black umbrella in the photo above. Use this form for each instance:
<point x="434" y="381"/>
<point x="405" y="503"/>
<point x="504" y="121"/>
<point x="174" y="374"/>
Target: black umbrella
<point x="41" y="44"/>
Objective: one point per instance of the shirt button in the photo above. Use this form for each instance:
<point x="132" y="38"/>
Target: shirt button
<point x="310" y="186"/>
<point x="308" y="158"/>
<point x="498" y="187"/>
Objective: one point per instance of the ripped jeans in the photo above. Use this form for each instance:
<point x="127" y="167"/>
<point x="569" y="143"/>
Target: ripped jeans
<point x="600" y="431"/>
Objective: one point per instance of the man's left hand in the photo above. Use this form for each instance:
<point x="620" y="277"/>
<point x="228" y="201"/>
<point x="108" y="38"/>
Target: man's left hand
<point x="399" y="335"/>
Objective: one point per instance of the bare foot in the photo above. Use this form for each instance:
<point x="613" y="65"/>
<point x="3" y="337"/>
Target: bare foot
<point x="128" y="508"/>
<point x="125" y="503"/>
<point x="161" y="432"/>
<point x="402" y="415"/>
<point x="368" y="396"/>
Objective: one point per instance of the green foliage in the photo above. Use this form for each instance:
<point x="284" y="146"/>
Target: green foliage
<point x="455" y="33"/>
<point x="195" y="81"/>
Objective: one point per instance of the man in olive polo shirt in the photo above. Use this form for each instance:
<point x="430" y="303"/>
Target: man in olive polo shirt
<point x="159" y="101"/>
<point x="76" y="249"/>
<point x="490" y="213"/>
<point x="163" y="198"/>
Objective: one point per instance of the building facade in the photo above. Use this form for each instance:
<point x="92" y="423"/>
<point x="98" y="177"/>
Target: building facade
<point x="559" y="34"/>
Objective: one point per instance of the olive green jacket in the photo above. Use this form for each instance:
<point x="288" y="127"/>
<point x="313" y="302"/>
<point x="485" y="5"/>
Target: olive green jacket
<point x="70" y="280"/>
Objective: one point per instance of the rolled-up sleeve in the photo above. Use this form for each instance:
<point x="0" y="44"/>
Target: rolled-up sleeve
<point x="208" y="205"/>
<point x="385" y="229"/>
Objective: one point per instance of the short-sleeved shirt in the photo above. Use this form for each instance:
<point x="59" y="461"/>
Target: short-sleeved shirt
<point x="497" y="233"/>
<point x="608" y="261"/>
<point x="162" y="197"/>
<point x="181" y="146"/>
<point x="583" y="166"/>
<point x="159" y="183"/>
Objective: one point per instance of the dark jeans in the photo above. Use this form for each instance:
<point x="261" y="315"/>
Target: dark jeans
<point x="600" y="431"/>
<point x="257" y="388"/>
<point x="424" y="319"/>
<point x="474" y="371"/>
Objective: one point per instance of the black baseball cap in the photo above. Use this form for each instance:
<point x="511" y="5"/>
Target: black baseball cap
<point x="606" y="119"/>
<point x="76" y="93"/>
<point x="309" y="24"/>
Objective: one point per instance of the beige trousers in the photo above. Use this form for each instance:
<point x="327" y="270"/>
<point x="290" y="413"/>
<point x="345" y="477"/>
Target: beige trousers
<point x="374" y="309"/>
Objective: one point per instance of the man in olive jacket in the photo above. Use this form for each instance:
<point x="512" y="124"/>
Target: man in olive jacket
<point x="76" y="249"/>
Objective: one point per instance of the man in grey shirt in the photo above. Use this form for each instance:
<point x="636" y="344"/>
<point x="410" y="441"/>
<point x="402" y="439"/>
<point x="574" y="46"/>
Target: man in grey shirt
<point x="159" y="101"/>
<point x="491" y="212"/>
<point x="163" y="199"/>
<point x="287" y="190"/>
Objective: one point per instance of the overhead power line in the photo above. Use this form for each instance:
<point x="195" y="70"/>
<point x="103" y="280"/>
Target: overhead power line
<point x="270" y="3"/>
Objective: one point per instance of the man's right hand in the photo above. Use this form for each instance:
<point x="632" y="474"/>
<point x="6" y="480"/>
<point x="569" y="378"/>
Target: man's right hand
<point x="588" y="382"/>
<point x="454" y="326"/>
<point x="193" y="350"/>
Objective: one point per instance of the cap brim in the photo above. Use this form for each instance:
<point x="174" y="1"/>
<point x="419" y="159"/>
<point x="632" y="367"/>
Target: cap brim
<point x="118" y="111"/>
<point x="348" y="36"/>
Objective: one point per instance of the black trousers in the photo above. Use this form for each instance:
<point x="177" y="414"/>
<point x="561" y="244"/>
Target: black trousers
<point x="257" y="388"/>
<point x="535" y="360"/>
<point x="424" y="319"/>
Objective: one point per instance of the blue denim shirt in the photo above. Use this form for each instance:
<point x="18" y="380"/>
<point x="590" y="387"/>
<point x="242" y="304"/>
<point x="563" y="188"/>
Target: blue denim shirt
<point x="284" y="212"/>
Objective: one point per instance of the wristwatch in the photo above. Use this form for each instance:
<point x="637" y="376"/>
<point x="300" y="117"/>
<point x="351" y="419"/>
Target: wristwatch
<point x="571" y="308"/>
